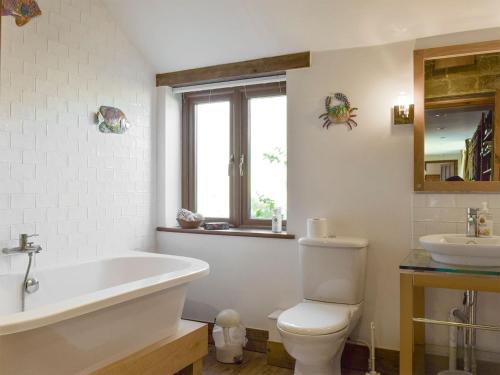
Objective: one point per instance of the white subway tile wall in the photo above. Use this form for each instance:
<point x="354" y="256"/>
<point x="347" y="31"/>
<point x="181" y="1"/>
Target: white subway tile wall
<point x="445" y="213"/>
<point x="86" y="193"/>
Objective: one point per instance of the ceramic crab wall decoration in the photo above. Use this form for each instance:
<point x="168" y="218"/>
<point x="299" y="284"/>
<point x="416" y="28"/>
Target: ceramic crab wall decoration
<point x="339" y="113"/>
<point x="22" y="10"/>
<point x="112" y="120"/>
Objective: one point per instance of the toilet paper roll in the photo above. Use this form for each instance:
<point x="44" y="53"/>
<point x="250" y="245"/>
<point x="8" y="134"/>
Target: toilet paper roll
<point x="317" y="227"/>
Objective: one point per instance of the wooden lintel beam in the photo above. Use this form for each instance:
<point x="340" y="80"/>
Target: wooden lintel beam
<point x="239" y="70"/>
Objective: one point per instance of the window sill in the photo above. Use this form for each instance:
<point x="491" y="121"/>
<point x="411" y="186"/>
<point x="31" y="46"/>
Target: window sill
<point x="239" y="232"/>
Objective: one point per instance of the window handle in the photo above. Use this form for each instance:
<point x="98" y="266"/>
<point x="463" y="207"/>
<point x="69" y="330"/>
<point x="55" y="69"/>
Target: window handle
<point x="242" y="163"/>
<point x="230" y="165"/>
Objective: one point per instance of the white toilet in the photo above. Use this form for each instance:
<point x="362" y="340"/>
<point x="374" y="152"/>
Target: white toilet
<point x="314" y="331"/>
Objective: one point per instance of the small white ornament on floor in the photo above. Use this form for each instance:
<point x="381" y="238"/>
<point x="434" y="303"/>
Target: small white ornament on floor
<point x="229" y="337"/>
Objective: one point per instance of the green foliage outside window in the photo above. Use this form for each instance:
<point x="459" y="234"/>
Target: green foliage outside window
<point x="262" y="206"/>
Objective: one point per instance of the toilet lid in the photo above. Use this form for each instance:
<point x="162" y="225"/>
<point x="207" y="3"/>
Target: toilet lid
<point x="315" y="318"/>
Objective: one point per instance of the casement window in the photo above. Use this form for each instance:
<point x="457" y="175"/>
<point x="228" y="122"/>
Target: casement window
<point x="234" y="153"/>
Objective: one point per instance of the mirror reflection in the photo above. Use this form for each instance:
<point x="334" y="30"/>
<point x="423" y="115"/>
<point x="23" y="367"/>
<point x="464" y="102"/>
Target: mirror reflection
<point x="460" y="126"/>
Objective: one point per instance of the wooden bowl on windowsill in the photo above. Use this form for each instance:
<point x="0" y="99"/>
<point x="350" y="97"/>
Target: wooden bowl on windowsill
<point x="189" y="224"/>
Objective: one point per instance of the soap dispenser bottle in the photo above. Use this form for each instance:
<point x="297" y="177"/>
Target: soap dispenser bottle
<point x="485" y="222"/>
<point x="277" y="221"/>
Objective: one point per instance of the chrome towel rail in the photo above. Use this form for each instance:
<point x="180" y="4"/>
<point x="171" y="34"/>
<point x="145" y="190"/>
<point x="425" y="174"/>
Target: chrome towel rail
<point x="482" y="327"/>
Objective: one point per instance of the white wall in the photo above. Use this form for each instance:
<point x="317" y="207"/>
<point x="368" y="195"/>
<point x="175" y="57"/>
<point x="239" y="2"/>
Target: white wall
<point x="169" y="154"/>
<point x="252" y="275"/>
<point x="361" y="180"/>
<point x="85" y="193"/>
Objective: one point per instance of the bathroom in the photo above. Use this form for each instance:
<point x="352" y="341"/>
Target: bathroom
<point x="93" y="195"/>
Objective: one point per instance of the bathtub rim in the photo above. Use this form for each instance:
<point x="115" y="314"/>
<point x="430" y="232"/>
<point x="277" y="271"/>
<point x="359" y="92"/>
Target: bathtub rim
<point x="104" y="298"/>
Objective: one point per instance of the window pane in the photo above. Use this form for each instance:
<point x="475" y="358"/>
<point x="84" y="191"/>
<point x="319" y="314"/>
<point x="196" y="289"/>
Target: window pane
<point x="267" y="126"/>
<point x="212" y="124"/>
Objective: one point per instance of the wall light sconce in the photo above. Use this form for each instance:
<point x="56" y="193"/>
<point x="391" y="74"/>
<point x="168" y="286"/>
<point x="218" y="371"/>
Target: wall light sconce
<point x="403" y="110"/>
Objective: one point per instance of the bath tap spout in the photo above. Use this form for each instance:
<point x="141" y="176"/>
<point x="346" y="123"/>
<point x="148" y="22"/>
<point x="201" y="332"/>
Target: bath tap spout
<point x="25" y="247"/>
<point x="27" y="250"/>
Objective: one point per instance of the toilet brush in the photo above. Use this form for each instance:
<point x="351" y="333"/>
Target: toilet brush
<point x="372" y="351"/>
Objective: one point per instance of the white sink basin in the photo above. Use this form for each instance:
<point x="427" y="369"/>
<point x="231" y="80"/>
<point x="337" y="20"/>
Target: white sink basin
<point x="462" y="250"/>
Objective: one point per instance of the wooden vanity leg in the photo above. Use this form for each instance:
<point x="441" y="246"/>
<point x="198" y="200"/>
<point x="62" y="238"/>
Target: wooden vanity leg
<point x="406" y="324"/>
<point x="419" y="311"/>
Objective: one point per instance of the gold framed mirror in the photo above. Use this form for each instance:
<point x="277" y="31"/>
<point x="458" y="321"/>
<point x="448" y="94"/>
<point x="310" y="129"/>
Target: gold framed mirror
<point x="457" y="119"/>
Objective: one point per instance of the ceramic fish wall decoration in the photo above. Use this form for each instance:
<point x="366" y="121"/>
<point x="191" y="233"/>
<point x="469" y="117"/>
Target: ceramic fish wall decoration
<point x="112" y="120"/>
<point x="22" y="10"/>
<point x="340" y="112"/>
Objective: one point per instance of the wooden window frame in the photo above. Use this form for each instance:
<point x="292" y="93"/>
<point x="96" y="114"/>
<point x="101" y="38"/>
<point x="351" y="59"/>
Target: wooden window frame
<point x="239" y="145"/>
<point x="257" y="91"/>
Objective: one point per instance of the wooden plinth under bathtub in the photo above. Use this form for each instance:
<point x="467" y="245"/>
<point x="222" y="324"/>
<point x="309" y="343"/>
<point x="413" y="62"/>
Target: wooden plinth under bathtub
<point x="180" y="354"/>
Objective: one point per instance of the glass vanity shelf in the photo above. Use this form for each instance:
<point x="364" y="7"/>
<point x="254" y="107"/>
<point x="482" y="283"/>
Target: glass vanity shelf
<point x="421" y="261"/>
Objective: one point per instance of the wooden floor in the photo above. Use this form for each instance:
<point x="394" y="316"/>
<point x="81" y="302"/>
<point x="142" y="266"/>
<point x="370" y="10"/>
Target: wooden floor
<point x="253" y="364"/>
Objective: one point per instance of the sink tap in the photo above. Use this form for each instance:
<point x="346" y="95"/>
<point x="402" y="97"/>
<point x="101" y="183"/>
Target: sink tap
<point x="25" y="247"/>
<point x="472" y="227"/>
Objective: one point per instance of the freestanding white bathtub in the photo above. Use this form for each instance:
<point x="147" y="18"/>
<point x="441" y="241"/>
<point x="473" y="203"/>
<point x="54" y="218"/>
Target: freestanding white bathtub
<point x="87" y="315"/>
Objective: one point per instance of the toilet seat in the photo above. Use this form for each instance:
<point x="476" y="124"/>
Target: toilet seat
<point x="316" y="318"/>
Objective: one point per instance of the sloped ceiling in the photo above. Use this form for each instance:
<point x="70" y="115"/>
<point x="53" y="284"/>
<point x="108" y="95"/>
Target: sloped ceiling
<point x="183" y="34"/>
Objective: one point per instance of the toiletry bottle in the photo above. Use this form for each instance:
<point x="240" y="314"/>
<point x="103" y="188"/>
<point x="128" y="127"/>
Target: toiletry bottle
<point x="277" y="220"/>
<point x="485" y="222"/>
